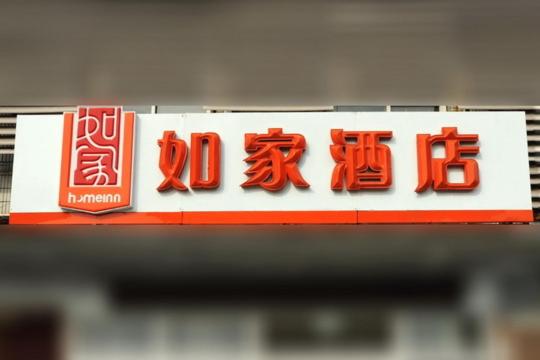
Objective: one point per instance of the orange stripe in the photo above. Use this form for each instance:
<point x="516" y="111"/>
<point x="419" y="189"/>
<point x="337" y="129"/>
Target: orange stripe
<point x="278" y="217"/>
<point x="82" y="218"/>
<point x="444" y="216"/>
<point x="270" y="217"/>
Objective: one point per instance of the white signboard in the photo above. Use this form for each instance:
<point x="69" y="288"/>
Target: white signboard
<point x="102" y="165"/>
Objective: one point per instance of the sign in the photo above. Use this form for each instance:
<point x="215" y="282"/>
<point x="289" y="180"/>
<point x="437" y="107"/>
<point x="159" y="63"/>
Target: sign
<point x="241" y="168"/>
<point x="97" y="159"/>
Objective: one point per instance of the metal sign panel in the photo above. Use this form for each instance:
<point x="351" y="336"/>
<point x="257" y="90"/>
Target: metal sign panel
<point x="234" y="168"/>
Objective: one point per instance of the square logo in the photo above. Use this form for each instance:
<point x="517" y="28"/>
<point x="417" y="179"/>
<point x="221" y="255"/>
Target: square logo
<point x="97" y="159"/>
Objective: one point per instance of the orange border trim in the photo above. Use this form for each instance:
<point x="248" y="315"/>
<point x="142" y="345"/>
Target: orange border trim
<point x="68" y="218"/>
<point x="278" y="217"/>
<point x="444" y="216"/>
<point x="270" y="217"/>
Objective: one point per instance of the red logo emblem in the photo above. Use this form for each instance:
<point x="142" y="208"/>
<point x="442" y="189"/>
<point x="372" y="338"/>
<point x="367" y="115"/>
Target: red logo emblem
<point x="97" y="158"/>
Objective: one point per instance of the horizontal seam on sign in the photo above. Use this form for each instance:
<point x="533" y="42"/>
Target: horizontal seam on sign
<point x="279" y="217"/>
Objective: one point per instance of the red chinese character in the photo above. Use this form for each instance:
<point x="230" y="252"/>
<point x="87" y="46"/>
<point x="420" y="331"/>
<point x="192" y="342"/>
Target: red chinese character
<point x="434" y="172"/>
<point x="271" y="167"/>
<point x="213" y="143"/>
<point x="97" y="147"/>
<point x="364" y="164"/>
<point x="172" y="159"/>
